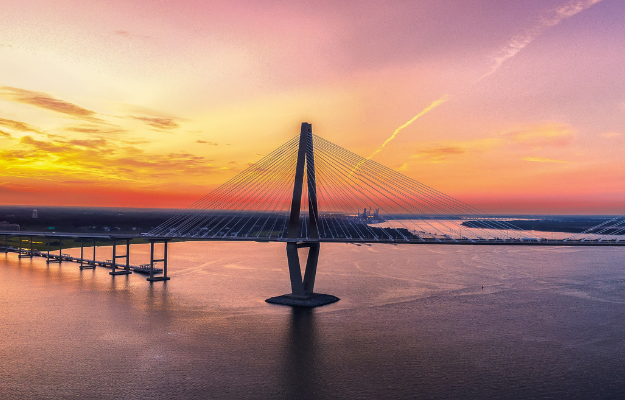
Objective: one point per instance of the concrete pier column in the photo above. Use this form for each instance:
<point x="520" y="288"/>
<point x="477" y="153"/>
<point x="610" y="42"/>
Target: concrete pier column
<point x="51" y="258"/>
<point x="126" y="270"/>
<point x="85" y="264"/>
<point x="153" y="260"/>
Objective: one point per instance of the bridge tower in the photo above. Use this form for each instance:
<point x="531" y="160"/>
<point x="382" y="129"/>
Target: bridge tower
<point x="302" y="293"/>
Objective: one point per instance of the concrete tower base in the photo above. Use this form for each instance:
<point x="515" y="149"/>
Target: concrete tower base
<point x="313" y="300"/>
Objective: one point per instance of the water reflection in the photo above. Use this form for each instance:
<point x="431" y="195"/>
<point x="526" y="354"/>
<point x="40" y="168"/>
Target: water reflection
<point x="413" y="322"/>
<point x="157" y="297"/>
<point x="301" y="359"/>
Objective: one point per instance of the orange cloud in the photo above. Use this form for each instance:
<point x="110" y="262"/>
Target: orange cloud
<point x="441" y="152"/>
<point x="91" y="143"/>
<point x="94" y="129"/>
<point x="542" y="160"/>
<point x="41" y="145"/>
<point x="159" y="123"/>
<point x="5" y="134"/>
<point x="205" y="142"/>
<point x="45" y="101"/>
<point x="101" y="160"/>
<point x="17" y="125"/>
<point x="4" y="189"/>
<point x="610" y="134"/>
<point x="553" y="135"/>
<point x="8" y="156"/>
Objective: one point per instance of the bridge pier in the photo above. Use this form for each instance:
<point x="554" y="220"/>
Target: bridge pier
<point x="83" y="264"/>
<point x="153" y="260"/>
<point x="302" y="287"/>
<point x="126" y="270"/>
<point x="52" y="260"/>
<point x="302" y="294"/>
<point x="6" y="244"/>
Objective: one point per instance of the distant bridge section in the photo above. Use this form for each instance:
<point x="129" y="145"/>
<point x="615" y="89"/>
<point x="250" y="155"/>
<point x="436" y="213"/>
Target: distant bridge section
<point x="22" y="244"/>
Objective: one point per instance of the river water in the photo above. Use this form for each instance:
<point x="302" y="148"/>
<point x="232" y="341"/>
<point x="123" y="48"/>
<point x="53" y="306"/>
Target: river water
<point x="413" y="322"/>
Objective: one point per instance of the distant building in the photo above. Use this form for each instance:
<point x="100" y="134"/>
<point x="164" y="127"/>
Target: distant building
<point x="370" y="216"/>
<point x="5" y="226"/>
<point x="35" y="215"/>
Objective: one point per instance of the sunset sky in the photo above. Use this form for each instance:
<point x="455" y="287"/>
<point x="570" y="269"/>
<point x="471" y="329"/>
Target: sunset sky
<point x="520" y="104"/>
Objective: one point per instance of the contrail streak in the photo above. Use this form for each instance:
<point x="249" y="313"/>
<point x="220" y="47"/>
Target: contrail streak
<point x="519" y="41"/>
<point x="426" y="110"/>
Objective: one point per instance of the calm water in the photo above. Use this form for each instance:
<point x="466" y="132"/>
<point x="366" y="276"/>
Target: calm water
<point x="413" y="322"/>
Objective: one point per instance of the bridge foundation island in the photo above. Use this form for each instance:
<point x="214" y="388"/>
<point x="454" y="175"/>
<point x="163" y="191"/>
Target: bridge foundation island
<point x="302" y="294"/>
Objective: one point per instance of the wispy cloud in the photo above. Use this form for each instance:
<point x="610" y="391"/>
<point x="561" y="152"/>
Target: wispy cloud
<point x="94" y="129"/>
<point x="441" y="152"/>
<point x="5" y="134"/>
<point x="543" y="160"/>
<point x="128" y="35"/>
<point x="17" y="125"/>
<point x="45" y="101"/>
<point x="159" y="123"/>
<point x="8" y="156"/>
<point x="610" y="134"/>
<point x="45" y="146"/>
<point x="205" y="142"/>
<point x="543" y="135"/>
<point x="89" y="143"/>
<point x="551" y="18"/>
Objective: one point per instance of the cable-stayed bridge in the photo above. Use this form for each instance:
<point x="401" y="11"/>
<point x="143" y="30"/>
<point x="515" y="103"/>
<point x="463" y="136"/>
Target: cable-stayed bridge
<point x="338" y="196"/>
<point x="310" y="191"/>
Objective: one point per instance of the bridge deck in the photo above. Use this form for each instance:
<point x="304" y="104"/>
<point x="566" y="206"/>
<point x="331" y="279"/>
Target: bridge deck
<point x="446" y="241"/>
<point x="143" y="268"/>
